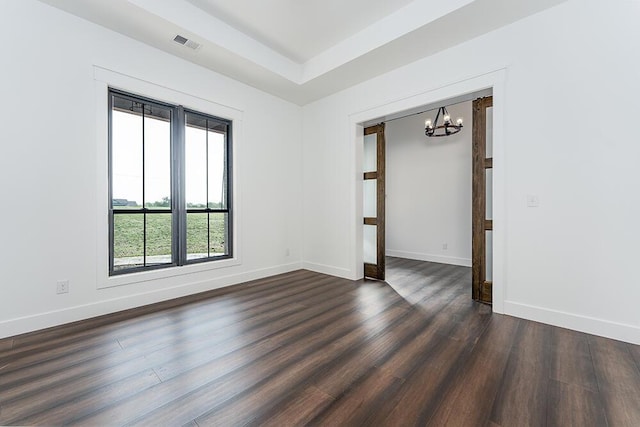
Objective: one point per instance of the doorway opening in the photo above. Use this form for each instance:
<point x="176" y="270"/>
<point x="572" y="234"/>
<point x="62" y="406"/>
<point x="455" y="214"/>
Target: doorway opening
<point x="430" y="199"/>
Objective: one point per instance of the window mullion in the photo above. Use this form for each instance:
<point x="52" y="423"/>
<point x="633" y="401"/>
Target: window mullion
<point x="178" y="177"/>
<point x="144" y="200"/>
<point x="206" y="133"/>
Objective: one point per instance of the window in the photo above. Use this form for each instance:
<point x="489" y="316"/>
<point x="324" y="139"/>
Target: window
<point x="169" y="185"/>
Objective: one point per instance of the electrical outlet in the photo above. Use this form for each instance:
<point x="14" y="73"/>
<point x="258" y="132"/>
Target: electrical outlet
<point x="532" y="201"/>
<point x="287" y="252"/>
<point x="62" y="287"/>
<point x="445" y="246"/>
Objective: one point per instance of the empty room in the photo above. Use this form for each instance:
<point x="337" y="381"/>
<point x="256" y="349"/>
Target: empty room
<point x="287" y="213"/>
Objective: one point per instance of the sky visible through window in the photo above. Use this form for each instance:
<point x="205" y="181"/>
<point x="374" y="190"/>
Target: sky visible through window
<point x="127" y="166"/>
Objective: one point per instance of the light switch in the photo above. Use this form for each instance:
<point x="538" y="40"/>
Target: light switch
<point x="532" y="201"/>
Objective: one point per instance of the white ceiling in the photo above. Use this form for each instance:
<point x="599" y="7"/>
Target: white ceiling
<point x="303" y="50"/>
<point x="299" y="29"/>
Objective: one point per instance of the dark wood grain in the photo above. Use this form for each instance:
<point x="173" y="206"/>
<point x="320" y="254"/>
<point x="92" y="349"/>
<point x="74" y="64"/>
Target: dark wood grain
<point x="370" y="270"/>
<point x="635" y="352"/>
<point x="377" y="270"/>
<point x="55" y="409"/>
<point x="572" y="405"/>
<point x="370" y="175"/>
<point x="354" y="407"/>
<point x="425" y="386"/>
<point x="278" y="370"/>
<point x="309" y="349"/>
<point x="618" y="381"/>
<point x="480" y="291"/>
<point x="488" y="163"/>
<point x="468" y="398"/>
<point x="381" y="197"/>
<point x="299" y="409"/>
<point x="522" y="395"/>
<point x="6" y="344"/>
<point x="571" y="361"/>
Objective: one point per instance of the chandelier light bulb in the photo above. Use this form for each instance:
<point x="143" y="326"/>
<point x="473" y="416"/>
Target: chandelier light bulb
<point x="447" y="118"/>
<point x="459" y="121"/>
<point x="427" y="123"/>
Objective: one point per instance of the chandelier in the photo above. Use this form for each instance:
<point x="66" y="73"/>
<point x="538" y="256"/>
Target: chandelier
<point x="446" y="128"/>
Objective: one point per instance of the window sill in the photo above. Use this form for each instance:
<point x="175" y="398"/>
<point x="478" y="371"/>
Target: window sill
<point x="164" y="273"/>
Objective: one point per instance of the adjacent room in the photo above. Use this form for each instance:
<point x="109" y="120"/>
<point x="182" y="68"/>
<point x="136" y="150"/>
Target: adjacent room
<point x="288" y="213"/>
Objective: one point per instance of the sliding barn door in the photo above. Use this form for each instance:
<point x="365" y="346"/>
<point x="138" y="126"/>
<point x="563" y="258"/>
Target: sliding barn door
<point x="373" y="208"/>
<point x="482" y="223"/>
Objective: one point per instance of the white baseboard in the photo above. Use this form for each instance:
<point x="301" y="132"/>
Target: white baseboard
<point x="590" y="325"/>
<point x="21" y="325"/>
<point x="464" y="262"/>
<point x="344" y="273"/>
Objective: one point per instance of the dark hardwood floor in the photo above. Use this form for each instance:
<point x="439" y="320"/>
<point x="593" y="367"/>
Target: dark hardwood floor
<point x="306" y="348"/>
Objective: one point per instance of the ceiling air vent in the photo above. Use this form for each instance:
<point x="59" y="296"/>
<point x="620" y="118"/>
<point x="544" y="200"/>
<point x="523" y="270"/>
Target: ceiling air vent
<point x="186" y="42"/>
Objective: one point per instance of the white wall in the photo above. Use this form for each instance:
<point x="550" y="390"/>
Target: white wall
<point x="572" y="260"/>
<point x="52" y="146"/>
<point x="428" y="185"/>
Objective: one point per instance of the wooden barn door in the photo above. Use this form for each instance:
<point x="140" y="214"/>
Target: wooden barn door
<point x="482" y="189"/>
<point x="373" y="207"/>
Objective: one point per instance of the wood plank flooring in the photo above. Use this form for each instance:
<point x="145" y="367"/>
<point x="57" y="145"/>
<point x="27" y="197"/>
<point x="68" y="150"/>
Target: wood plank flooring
<point x="308" y="349"/>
